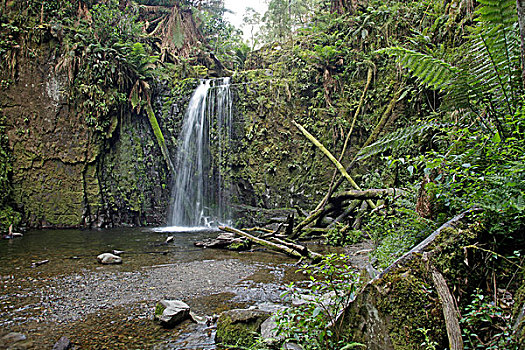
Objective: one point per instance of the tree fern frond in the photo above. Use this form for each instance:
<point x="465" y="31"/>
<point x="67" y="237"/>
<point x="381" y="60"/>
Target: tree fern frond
<point x="497" y="11"/>
<point x="431" y="71"/>
<point x="395" y="140"/>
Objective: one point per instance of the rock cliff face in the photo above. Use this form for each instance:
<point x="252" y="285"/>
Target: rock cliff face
<point x="66" y="174"/>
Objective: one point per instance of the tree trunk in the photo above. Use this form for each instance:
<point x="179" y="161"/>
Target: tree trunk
<point x="520" y="4"/>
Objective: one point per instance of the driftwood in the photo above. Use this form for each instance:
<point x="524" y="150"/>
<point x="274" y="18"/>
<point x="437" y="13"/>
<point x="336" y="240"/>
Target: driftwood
<point x="290" y="249"/>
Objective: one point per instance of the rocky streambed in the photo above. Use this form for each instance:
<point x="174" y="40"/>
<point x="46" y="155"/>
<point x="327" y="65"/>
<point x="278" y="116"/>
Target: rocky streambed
<point x="111" y="306"/>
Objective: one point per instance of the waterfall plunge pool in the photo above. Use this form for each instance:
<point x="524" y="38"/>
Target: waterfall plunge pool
<point x="111" y="306"/>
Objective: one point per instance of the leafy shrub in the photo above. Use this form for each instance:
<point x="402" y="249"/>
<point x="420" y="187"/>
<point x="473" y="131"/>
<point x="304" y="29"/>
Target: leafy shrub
<point x="485" y="325"/>
<point x="331" y="286"/>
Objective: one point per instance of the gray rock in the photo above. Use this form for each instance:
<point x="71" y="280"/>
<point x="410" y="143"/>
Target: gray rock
<point x="291" y="346"/>
<point x="171" y="312"/>
<point x="269" y="332"/>
<point x="270" y="307"/>
<point x="62" y="344"/>
<point x="197" y="319"/>
<point x="108" y="259"/>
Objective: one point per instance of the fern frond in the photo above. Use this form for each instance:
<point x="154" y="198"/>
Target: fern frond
<point x="502" y="12"/>
<point x="395" y="140"/>
<point x="431" y="71"/>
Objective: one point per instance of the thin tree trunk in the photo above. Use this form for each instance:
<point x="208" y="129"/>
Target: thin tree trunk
<point x="520" y="4"/>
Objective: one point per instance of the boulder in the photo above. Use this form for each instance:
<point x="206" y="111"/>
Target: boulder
<point x="239" y="327"/>
<point x="109" y="259"/>
<point x="171" y="312"/>
<point x="62" y="344"/>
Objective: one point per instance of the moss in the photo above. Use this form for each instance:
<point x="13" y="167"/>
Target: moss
<point x="159" y="309"/>
<point x="239" y="327"/>
<point x="411" y="303"/>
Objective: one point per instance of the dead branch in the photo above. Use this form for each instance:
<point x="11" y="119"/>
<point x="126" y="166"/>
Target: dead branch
<point x="331" y="157"/>
<point x="371" y="138"/>
<point x="300" y="252"/>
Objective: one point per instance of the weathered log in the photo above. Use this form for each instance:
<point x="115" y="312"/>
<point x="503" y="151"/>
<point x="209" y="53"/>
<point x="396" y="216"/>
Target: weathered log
<point x="279" y="247"/>
<point x="300" y="248"/>
<point x="259" y="229"/>
<point x="366" y="194"/>
<point x="450" y="310"/>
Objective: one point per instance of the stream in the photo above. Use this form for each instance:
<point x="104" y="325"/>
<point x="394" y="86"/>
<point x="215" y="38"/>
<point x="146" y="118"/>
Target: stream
<point x="111" y="306"/>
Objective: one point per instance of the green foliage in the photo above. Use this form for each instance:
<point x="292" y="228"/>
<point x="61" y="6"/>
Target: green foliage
<point x="225" y="40"/>
<point x="396" y="233"/>
<point x="479" y="161"/>
<point x="485" y="325"/>
<point x="331" y="287"/>
<point x="396" y="140"/>
<point x="434" y="72"/>
<point x="340" y="236"/>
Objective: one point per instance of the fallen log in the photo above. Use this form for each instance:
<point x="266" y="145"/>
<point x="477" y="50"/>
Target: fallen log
<point x="366" y="194"/>
<point x="296" y="251"/>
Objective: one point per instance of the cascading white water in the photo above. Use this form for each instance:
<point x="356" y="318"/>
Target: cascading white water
<point x="200" y="194"/>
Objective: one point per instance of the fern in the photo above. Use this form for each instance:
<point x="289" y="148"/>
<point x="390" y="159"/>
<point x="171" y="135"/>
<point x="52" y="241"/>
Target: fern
<point x="395" y="140"/>
<point x="431" y="71"/>
<point x="497" y="12"/>
<point x="487" y="84"/>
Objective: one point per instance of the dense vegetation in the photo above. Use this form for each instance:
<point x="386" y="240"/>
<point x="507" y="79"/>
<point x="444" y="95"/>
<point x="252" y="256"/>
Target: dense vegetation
<point x="423" y="96"/>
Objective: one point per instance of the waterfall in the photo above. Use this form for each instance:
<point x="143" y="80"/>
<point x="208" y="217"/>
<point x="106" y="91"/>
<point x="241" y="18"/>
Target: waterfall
<point x="200" y="193"/>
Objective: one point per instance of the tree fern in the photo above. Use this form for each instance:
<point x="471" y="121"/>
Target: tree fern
<point x="395" y="140"/>
<point x="486" y="83"/>
<point x="431" y="71"/>
<point x="497" y="12"/>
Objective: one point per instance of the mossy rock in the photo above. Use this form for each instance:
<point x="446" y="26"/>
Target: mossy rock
<point x="239" y="327"/>
<point x="401" y="309"/>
